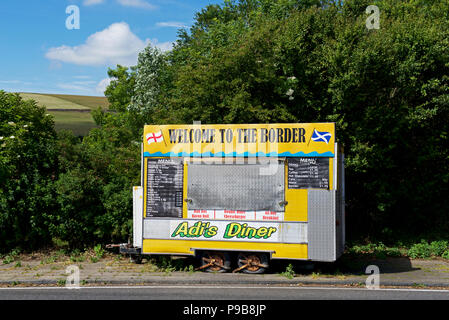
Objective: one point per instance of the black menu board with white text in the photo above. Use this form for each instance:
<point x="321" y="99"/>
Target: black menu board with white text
<point x="164" y="188"/>
<point x="308" y="173"/>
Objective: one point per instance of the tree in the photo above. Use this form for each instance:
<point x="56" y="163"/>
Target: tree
<point x="151" y="88"/>
<point x="121" y="88"/>
<point x="310" y="61"/>
<point x="28" y="159"/>
<point x="94" y="188"/>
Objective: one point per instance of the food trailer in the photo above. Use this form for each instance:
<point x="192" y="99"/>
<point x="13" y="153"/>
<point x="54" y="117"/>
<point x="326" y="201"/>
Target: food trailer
<point x="239" y="195"/>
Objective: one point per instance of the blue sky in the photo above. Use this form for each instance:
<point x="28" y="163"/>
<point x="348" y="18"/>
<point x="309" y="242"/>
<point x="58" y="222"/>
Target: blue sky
<point x="39" y="54"/>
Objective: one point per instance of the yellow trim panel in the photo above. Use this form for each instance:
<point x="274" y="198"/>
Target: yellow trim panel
<point x="187" y="247"/>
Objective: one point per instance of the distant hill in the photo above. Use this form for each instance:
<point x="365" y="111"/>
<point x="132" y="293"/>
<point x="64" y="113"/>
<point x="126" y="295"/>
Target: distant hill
<point x="88" y="101"/>
<point x="71" y="112"/>
<point x="65" y="101"/>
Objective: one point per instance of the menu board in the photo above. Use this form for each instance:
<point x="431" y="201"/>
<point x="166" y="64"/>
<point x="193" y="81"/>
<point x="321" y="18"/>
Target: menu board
<point x="164" y="188"/>
<point x="305" y="173"/>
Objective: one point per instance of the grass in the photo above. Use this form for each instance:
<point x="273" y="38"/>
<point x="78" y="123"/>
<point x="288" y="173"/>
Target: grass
<point x="71" y="112"/>
<point x="426" y="250"/>
<point x="87" y="101"/>
<point x="418" y="250"/>
<point x="11" y="257"/>
<point x="168" y="265"/>
<point x="61" y="282"/>
<point x="289" y="272"/>
<point x="52" y="102"/>
<point x="377" y="250"/>
<point x="78" y="122"/>
<point x="99" y="253"/>
<point x="77" y="256"/>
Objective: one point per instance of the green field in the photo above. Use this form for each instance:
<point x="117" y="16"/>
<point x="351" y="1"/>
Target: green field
<point x="64" y="109"/>
<point x="87" y="101"/>
<point x="78" y="122"/>
<point x="51" y="102"/>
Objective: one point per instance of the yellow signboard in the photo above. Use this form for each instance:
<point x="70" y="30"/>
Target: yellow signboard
<point x="240" y="140"/>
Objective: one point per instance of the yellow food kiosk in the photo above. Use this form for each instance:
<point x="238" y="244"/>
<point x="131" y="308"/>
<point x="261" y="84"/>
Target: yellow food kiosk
<point x="239" y="195"/>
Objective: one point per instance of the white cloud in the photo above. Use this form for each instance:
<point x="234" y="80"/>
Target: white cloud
<point x="163" y="46"/>
<point x="74" y="87"/>
<point x="84" y="83"/>
<point x="19" y="82"/>
<point x="92" y="2"/>
<point x="81" y="77"/>
<point x="113" y="45"/>
<point x="171" y="24"/>
<point x="137" y="4"/>
<point x="10" y="81"/>
<point x="142" y="4"/>
<point x="88" y="87"/>
<point x="101" y="86"/>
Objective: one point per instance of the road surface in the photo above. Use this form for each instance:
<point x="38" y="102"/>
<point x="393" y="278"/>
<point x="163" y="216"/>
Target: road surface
<point x="211" y="292"/>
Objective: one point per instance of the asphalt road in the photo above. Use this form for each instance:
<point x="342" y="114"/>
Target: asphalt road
<point x="219" y="293"/>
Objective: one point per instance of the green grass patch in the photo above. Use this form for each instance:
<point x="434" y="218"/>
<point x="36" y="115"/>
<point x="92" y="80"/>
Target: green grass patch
<point x="426" y="250"/>
<point x="418" y="250"/>
<point x="80" y="123"/>
<point x="378" y="250"/>
<point x="63" y="108"/>
<point x="167" y="264"/>
<point x="11" y="257"/>
<point x="289" y="272"/>
<point x="53" y="102"/>
<point x="61" y="282"/>
<point x="87" y="101"/>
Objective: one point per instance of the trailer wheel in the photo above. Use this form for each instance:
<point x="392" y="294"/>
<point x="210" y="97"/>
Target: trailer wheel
<point x="136" y="258"/>
<point x="252" y="262"/>
<point x="215" y="261"/>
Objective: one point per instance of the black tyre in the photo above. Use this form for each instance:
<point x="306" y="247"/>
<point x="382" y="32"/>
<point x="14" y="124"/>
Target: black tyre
<point x="136" y="258"/>
<point x="254" y="262"/>
<point x="215" y="261"/>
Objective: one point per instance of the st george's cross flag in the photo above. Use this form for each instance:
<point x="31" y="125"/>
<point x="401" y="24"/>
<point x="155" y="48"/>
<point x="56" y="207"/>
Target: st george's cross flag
<point x="154" y="137"/>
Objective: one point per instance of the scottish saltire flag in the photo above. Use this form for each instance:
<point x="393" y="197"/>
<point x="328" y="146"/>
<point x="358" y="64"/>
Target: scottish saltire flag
<point x="319" y="136"/>
<point x="154" y="137"/>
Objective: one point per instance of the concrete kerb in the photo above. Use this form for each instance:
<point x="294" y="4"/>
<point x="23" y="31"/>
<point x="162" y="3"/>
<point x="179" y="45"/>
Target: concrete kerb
<point x="256" y="281"/>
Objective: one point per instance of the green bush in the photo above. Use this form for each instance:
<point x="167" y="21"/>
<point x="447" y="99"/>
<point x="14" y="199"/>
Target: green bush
<point x="387" y="90"/>
<point x="420" y="250"/>
<point x="289" y="272"/>
<point x="378" y="250"/>
<point x="28" y="169"/>
<point x="94" y="188"/>
<point x="437" y="248"/>
<point x="99" y="251"/>
<point x="76" y="191"/>
<point x="425" y="250"/>
<point x="393" y="252"/>
<point x="445" y="255"/>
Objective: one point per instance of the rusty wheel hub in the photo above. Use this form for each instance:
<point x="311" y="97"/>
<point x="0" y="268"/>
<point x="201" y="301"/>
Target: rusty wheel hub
<point x="250" y="262"/>
<point x="216" y="262"/>
<point x="253" y="263"/>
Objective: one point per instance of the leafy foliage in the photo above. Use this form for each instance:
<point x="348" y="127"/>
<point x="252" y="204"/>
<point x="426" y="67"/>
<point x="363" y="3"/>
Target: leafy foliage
<point x="94" y="189"/>
<point x="253" y="61"/>
<point x="425" y="250"/>
<point x="57" y="189"/>
<point x="257" y="61"/>
<point x="28" y="158"/>
<point x="121" y="88"/>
